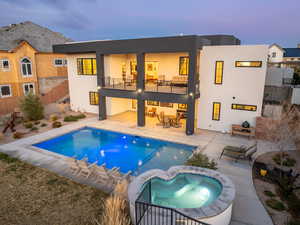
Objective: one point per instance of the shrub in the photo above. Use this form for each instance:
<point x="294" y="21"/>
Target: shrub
<point x="294" y="205"/>
<point x="201" y="160"/>
<point x="18" y="135"/>
<point x="70" y="118"/>
<point x="294" y="222"/>
<point x="37" y="122"/>
<point x="32" y="107"/>
<point x="275" y="204"/>
<point x="115" y="211"/>
<point x="53" y="118"/>
<point x="44" y="125"/>
<point x="28" y="125"/>
<point x="269" y="194"/>
<point x="73" y="118"/>
<point x="284" y="159"/>
<point x="34" y="129"/>
<point x="56" y="124"/>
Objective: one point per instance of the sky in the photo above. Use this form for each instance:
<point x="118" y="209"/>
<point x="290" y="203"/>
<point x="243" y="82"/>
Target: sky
<point x="252" y="21"/>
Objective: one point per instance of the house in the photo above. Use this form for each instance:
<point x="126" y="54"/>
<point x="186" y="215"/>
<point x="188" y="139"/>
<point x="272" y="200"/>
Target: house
<point x="213" y="80"/>
<point x="27" y="62"/>
<point x="283" y="57"/>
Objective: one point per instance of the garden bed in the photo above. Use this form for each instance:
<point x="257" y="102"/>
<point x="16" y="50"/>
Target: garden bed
<point x="277" y="207"/>
<point x="29" y="128"/>
<point x="32" y="195"/>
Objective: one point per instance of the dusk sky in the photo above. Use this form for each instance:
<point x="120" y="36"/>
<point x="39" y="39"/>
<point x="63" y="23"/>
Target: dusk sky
<point x="254" y="22"/>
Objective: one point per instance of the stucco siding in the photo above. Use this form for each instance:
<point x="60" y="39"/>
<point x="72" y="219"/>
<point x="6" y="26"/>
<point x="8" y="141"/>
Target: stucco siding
<point x="241" y="85"/>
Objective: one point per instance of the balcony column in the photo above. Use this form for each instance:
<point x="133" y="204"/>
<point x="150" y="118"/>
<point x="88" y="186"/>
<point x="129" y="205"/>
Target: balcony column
<point x="140" y="89"/>
<point x="190" y="121"/>
<point x="100" y="84"/>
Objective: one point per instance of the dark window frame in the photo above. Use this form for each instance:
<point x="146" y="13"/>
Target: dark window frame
<point x="9" y="88"/>
<point x="216" y="72"/>
<point x="236" y="62"/>
<point x="80" y="73"/>
<point x="213" y="111"/>
<point x="92" y="94"/>
<point x="244" y="105"/>
<point x="188" y="65"/>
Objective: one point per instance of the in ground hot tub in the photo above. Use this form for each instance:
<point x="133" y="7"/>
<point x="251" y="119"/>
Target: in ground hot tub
<point x="202" y="194"/>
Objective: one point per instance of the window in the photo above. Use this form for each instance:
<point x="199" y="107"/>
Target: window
<point x="28" y="87"/>
<point x="184" y="65"/>
<point x="60" y="62"/>
<point x="273" y="54"/>
<point x="5" y="91"/>
<point x="244" y="107"/>
<point x="133" y="68"/>
<point x="248" y="63"/>
<point x="26" y="67"/>
<point x="94" y="98"/>
<point x="219" y="72"/>
<point x="4" y="65"/>
<point x="86" y="66"/>
<point x="216" y="111"/>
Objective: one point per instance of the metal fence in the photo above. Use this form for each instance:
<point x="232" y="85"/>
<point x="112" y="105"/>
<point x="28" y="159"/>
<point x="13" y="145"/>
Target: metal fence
<point x="147" y="213"/>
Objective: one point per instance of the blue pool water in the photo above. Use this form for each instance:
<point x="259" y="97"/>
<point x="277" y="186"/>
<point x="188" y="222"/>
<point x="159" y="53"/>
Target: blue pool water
<point x="185" y="191"/>
<point x="130" y="153"/>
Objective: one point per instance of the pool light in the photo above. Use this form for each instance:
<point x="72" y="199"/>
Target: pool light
<point x="124" y="137"/>
<point x="147" y="144"/>
<point x="140" y="162"/>
<point x="126" y="146"/>
<point x="134" y="141"/>
<point x="102" y="153"/>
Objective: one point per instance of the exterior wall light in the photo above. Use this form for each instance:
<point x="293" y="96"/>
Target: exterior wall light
<point x="139" y="90"/>
<point x="99" y="87"/>
<point x="191" y="94"/>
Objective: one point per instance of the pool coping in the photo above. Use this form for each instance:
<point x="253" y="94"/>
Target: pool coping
<point x="218" y="206"/>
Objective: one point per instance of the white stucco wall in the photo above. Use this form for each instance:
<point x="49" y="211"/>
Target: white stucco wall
<point x="275" y="75"/>
<point x="240" y="85"/>
<point x="279" y="54"/>
<point x="296" y="96"/>
<point x="81" y="85"/>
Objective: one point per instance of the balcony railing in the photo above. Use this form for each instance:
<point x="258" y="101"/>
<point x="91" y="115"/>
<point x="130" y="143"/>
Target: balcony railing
<point x="120" y="83"/>
<point x="147" y="213"/>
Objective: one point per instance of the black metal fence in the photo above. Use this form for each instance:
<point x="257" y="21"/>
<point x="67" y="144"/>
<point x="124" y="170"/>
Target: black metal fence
<point x="147" y="213"/>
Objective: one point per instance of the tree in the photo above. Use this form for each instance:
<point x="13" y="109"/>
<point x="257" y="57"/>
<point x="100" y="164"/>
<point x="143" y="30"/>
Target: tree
<point x="32" y="107"/>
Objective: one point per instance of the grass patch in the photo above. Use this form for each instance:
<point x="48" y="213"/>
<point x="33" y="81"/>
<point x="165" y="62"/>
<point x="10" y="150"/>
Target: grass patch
<point x="7" y="159"/>
<point x="201" y="160"/>
<point x="269" y="193"/>
<point x="28" y="125"/>
<point x="275" y="204"/>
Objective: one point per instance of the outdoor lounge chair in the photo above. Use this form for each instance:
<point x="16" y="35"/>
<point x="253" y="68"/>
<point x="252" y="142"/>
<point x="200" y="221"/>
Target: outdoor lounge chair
<point x="85" y="169"/>
<point x="244" y="153"/>
<point x="73" y="165"/>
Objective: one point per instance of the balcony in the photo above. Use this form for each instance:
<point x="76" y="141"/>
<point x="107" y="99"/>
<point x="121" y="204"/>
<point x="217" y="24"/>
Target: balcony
<point x="178" y="86"/>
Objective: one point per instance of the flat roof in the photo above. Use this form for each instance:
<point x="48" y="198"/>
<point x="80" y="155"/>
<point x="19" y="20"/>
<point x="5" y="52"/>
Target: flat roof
<point x="151" y="45"/>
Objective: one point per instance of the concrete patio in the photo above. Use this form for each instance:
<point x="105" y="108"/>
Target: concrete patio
<point x="247" y="209"/>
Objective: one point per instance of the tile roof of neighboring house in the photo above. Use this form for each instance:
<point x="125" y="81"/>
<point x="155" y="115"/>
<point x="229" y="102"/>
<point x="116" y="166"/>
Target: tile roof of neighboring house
<point x="291" y="52"/>
<point x="39" y="37"/>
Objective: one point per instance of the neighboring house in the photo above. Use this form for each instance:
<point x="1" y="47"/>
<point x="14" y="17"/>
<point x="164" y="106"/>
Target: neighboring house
<point x="213" y="80"/>
<point x="275" y="54"/>
<point x="283" y="57"/>
<point x="27" y="62"/>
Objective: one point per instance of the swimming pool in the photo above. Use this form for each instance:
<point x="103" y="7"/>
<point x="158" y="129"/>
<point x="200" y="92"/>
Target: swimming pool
<point x="128" y="152"/>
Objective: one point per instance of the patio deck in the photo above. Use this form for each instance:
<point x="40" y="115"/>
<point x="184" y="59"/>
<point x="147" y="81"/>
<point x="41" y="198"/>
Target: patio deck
<point x="247" y="209"/>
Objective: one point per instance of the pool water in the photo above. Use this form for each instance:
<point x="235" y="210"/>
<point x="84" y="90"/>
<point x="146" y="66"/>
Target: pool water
<point x="185" y="191"/>
<point x="128" y="152"/>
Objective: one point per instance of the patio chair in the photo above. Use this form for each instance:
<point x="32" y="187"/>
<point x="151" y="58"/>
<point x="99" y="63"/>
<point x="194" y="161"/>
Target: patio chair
<point x="85" y="169"/>
<point x="73" y="166"/>
<point x="239" y="153"/>
<point x="160" y="118"/>
<point x="176" y="122"/>
<point x="152" y="112"/>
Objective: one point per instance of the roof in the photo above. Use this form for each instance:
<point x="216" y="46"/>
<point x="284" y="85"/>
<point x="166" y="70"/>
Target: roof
<point x="278" y="46"/>
<point x="291" y="52"/>
<point x="38" y="37"/>
<point x="148" y="45"/>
